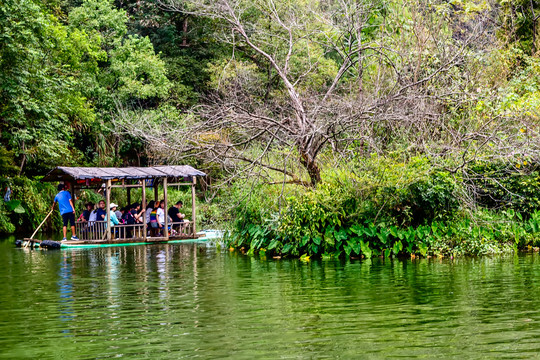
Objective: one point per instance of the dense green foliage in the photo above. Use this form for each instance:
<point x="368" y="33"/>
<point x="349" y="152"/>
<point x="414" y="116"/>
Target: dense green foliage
<point x="65" y="69"/>
<point x="393" y="209"/>
<point x="355" y="128"/>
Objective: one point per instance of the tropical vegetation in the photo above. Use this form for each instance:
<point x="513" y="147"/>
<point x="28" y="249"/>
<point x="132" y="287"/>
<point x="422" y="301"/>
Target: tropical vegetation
<point x="351" y="128"/>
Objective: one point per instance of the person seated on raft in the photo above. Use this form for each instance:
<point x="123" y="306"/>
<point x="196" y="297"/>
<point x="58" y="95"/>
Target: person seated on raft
<point x="137" y="212"/>
<point x="149" y="209"/>
<point x="127" y="219"/>
<point x="93" y="217"/>
<point x="131" y="216"/>
<point x="85" y="216"/>
<point x="120" y="214"/>
<point x="113" y="220"/>
<point x="155" y="225"/>
<point x="101" y="212"/>
<point x="176" y="216"/>
<point x="160" y="212"/>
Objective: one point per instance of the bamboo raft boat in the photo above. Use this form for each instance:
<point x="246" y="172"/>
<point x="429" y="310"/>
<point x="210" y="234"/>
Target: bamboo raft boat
<point x="203" y="236"/>
<point x="97" y="233"/>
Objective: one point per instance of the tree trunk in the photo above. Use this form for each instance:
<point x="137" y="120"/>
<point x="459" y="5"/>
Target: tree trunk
<point x="23" y="161"/>
<point x="534" y="19"/>
<point x="184" y="30"/>
<point x="311" y="166"/>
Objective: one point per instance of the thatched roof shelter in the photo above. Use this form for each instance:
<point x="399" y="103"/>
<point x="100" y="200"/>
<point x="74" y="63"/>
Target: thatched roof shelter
<point x="107" y="178"/>
<point x="65" y="173"/>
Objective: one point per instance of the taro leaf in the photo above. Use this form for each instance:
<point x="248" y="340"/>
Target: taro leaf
<point x="409" y="248"/>
<point x="370" y="231"/>
<point x="329" y="237"/>
<point x="305" y="240"/>
<point x="398" y="246"/>
<point x="13" y="204"/>
<point x="383" y="236"/>
<point x="410" y="236"/>
<point x="273" y="244"/>
<point x="423" y="249"/>
<point x="240" y="242"/>
<point x="317" y="240"/>
<point x="286" y="248"/>
<point x="353" y="245"/>
<point x="314" y="249"/>
<point x="348" y="249"/>
<point x="364" y="246"/>
<point x="340" y="235"/>
<point x="357" y="229"/>
<point x="19" y="210"/>
<point x="357" y="248"/>
<point x="534" y="225"/>
<point x="387" y="253"/>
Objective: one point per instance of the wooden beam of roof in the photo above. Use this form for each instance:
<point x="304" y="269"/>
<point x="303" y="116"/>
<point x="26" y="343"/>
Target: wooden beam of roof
<point x="65" y="173"/>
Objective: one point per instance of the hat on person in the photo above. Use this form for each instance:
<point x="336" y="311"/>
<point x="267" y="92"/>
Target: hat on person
<point x="112" y="205"/>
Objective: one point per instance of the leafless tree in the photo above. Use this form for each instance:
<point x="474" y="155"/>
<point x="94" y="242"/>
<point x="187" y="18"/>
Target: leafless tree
<point x="304" y="77"/>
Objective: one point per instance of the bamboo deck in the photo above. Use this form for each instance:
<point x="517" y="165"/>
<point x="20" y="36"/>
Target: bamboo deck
<point x="122" y="242"/>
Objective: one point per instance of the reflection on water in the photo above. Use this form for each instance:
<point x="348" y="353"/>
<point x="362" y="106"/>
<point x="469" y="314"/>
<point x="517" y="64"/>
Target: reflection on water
<point x="65" y="289"/>
<point x="186" y="300"/>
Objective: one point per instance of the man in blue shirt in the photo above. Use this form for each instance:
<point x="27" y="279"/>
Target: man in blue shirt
<point x="101" y="213"/>
<point x="67" y="210"/>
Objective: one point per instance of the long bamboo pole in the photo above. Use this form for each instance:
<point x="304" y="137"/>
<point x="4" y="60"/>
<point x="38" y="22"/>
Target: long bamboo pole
<point x="39" y="227"/>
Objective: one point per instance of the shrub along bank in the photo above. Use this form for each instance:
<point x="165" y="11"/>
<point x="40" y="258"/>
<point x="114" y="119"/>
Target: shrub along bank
<point x="392" y="209"/>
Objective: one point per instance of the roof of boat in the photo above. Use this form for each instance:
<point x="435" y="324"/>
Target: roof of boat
<point x="66" y="173"/>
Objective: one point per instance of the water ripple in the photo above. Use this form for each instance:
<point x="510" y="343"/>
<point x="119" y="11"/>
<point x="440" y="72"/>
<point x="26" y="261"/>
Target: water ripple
<point x="185" y="301"/>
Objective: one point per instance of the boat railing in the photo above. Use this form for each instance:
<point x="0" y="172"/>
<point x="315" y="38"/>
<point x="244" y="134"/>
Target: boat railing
<point x="91" y="230"/>
<point x="181" y="229"/>
<point x="176" y="230"/>
<point x="97" y="231"/>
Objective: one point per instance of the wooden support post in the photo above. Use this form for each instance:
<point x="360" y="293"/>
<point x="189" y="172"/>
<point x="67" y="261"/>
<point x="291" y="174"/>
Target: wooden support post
<point x="193" y="206"/>
<point x="108" y="210"/>
<point x="71" y="189"/>
<point x="143" y="205"/>
<point x="166" y="209"/>
<point x="155" y="190"/>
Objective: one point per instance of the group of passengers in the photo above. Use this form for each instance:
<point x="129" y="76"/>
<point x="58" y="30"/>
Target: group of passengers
<point x="133" y="214"/>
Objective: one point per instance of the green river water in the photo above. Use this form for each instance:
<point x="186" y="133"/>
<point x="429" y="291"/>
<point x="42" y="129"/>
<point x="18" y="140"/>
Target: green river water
<point x="189" y="300"/>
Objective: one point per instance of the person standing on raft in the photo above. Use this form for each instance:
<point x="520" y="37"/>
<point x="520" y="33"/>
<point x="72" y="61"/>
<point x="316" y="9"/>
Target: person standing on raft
<point x="67" y="210"/>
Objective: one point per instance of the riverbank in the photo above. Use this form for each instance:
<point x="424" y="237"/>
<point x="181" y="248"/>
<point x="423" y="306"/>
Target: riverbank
<point x="382" y="207"/>
<point x="377" y="206"/>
